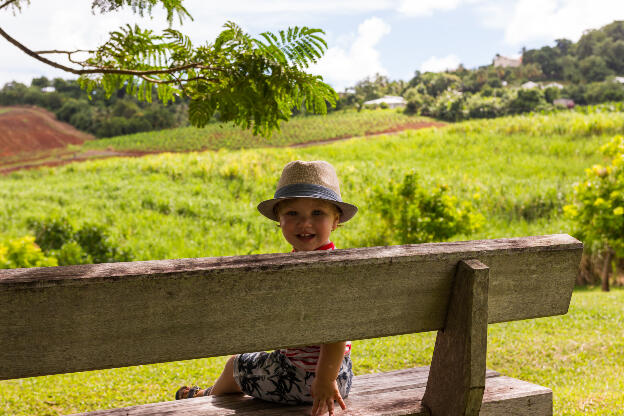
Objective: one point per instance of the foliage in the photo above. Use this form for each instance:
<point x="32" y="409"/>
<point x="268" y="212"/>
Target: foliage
<point x="598" y="208"/>
<point x="100" y="116"/>
<point x="526" y="100"/>
<point x="252" y="82"/>
<point x="435" y="84"/>
<point x="23" y="252"/>
<point x="367" y="89"/>
<point x="479" y="106"/>
<point x="88" y="244"/>
<point x="597" y="54"/>
<point x="600" y="92"/>
<point x="410" y="213"/>
<point x="449" y="106"/>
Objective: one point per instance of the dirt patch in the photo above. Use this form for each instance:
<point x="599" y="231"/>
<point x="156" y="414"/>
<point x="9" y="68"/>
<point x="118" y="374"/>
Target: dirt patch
<point x="28" y="130"/>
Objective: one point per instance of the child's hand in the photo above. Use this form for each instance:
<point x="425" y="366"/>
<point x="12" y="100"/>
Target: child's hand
<point x="324" y="394"/>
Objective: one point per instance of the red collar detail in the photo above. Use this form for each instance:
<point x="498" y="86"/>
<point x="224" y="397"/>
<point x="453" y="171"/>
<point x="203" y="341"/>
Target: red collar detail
<point x="328" y="246"/>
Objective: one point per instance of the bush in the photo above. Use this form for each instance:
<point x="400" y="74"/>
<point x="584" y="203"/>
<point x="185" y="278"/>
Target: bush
<point x="600" y="92"/>
<point x="449" y="106"/>
<point x="23" y="252"/>
<point x="598" y="207"/>
<point x="88" y="244"/>
<point x="485" y="107"/>
<point x="551" y="94"/>
<point x="409" y="213"/>
<point x="527" y="100"/>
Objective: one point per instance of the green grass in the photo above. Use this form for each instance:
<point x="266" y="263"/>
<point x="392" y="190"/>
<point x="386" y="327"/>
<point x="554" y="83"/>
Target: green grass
<point x="297" y="131"/>
<point x="578" y="355"/>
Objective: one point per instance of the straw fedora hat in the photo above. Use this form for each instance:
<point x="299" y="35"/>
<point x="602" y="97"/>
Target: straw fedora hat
<point x="316" y="179"/>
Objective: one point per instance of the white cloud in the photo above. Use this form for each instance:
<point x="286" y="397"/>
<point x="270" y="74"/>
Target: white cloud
<point x="435" y="64"/>
<point x="256" y="7"/>
<point x="535" y="20"/>
<point x="426" y="7"/>
<point x="343" y="67"/>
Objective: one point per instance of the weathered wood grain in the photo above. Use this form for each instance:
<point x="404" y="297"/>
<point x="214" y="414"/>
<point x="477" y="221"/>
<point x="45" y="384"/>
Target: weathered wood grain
<point x="75" y="318"/>
<point x="392" y="394"/>
<point x="457" y="374"/>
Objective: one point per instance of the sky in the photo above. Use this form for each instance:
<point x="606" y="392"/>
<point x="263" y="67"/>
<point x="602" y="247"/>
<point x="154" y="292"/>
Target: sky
<point x="394" y="38"/>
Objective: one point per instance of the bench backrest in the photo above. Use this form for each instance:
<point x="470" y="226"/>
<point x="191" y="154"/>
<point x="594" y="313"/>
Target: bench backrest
<point x="75" y="318"/>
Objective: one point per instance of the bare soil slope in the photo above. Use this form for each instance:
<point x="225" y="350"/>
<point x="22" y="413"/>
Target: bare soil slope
<point x="30" y="129"/>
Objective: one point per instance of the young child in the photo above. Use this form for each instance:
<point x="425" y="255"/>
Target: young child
<point x="308" y="207"/>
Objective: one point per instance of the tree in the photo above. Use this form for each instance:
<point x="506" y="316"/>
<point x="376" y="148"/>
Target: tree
<point x="252" y="82"/>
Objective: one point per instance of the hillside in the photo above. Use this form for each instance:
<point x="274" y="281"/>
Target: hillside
<point x="28" y="130"/>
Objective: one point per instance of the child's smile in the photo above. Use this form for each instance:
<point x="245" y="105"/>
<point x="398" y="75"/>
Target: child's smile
<point x="307" y="222"/>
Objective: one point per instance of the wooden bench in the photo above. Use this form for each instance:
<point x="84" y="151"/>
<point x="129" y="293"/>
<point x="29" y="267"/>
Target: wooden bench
<point x="77" y="318"/>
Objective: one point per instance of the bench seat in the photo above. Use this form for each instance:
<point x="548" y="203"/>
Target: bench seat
<point x="392" y="393"/>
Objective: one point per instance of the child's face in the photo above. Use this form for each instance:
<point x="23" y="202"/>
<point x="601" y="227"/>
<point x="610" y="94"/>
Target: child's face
<point x="306" y="222"/>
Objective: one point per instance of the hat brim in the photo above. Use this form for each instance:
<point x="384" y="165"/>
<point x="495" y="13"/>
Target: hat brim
<point x="266" y="208"/>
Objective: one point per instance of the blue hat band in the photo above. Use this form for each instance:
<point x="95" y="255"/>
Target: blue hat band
<point x="307" y="190"/>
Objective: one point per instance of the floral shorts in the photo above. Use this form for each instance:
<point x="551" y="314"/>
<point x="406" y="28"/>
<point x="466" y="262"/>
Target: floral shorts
<point x="274" y="378"/>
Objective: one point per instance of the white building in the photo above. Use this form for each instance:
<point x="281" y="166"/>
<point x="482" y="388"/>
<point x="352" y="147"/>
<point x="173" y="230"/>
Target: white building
<point x="505" y="62"/>
<point x="392" y="101"/>
<point x="529" y="85"/>
<point x="619" y="79"/>
<point x="553" y="84"/>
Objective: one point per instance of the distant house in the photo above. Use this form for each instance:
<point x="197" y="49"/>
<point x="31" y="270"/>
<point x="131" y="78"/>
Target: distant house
<point x="619" y="79"/>
<point x="505" y="62"/>
<point x="529" y="85"/>
<point x="554" y="84"/>
<point x="392" y="101"/>
<point x="48" y="89"/>
<point x="564" y="102"/>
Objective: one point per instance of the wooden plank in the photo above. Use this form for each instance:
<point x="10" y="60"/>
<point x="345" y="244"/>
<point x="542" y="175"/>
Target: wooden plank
<point x="75" y="318"/>
<point x="393" y="393"/>
<point x="457" y="374"/>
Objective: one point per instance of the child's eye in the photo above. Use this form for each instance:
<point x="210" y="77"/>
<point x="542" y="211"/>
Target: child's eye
<point x="291" y="213"/>
<point x="318" y="212"/>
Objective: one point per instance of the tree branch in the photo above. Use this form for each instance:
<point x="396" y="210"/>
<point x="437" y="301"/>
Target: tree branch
<point x="6" y="3"/>
<point x="67" y="52"/>
<point x="101" y="70"/>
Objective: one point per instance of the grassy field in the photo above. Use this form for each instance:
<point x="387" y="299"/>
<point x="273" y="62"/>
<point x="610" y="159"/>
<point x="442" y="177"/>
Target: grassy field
<point x="578" y="355"/>
<point x="519" y="181"/>
<point x="298" y="130"/>
<point x="518" y="172"/>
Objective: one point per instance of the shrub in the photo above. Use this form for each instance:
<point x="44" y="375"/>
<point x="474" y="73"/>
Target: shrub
<point x="88" y="244"/>
<point x="449" y="106"/>
<point x="23" y="252"/>
<point x="600" y="92"/>
<point x="526" y="100"/>
<point x="485" y="107"/>
<point x="598" y="207"/>
<point x="410" y="213"/>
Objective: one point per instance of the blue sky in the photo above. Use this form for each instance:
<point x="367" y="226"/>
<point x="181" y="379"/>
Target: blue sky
<point x="391" y="37"/>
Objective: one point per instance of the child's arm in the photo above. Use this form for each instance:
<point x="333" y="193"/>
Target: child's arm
<point x="324" y="387"/>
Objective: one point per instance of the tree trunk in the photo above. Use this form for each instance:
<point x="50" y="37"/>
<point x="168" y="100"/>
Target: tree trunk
<point x="605" y="270"/>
